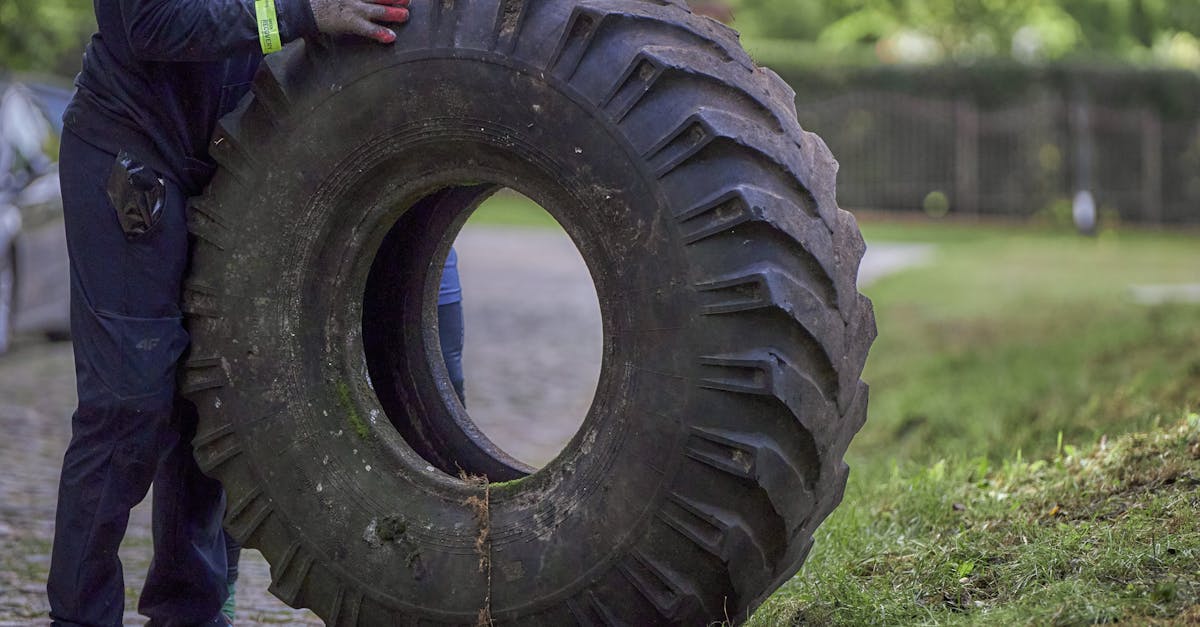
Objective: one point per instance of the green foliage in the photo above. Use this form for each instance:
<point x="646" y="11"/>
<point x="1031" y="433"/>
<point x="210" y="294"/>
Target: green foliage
<point x="48" y="35"/>
<point x="1028" y="30"/>
<point x="789" y="19"/>
<point x="933" y="29"/>
<point x="44" y="35"/>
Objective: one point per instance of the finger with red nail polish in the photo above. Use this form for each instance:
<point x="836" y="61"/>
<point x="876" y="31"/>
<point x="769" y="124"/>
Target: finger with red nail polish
<point x="360" y="17"/>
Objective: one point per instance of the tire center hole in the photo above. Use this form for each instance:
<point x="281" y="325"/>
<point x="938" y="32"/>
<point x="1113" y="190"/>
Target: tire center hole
<point x="531" y="353"/>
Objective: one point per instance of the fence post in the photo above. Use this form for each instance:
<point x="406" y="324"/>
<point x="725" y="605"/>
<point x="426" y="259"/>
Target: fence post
<point x="966" y="157"/>
<point x="1083" y="156"/>
<point x="1152" y="171"/>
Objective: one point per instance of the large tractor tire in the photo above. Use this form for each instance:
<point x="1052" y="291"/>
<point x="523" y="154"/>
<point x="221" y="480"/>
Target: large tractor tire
<point x="734" y="334"/>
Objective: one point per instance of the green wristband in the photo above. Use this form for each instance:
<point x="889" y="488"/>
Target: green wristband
<point x="268" y="26"/>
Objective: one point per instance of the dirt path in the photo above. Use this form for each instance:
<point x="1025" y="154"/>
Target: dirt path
<point x="884" y="259"/>
<point x="532" y="359"/>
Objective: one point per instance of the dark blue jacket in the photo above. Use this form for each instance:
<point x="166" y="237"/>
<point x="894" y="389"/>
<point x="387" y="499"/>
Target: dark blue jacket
<point x="159" y="73"/>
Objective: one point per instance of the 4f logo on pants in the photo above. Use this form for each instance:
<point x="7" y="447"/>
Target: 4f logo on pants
<point x="148" y="344"/>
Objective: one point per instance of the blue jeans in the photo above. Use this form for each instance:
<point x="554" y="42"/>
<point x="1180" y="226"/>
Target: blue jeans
<point x="130" y="427"/>
<point x="450" y="334"/>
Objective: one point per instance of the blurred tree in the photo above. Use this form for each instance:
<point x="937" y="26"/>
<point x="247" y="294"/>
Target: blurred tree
<point x="44" y="35"/>
<point x="790" y="19"/>
<point x="48" y="35"/>
<point x="1029" y="30"/>
<point x="716" y="9"/>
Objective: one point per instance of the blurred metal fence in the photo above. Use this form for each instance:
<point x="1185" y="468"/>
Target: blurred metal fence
<point x="906" y="153"/>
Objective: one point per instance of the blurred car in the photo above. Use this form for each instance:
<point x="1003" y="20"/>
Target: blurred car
<point x="34" y="271"/>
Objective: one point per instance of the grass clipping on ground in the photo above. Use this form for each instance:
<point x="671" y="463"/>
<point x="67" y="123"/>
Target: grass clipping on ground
<point x="1108" y="534"/>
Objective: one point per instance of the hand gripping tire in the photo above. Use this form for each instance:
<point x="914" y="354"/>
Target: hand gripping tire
<point x="734" y="333"/>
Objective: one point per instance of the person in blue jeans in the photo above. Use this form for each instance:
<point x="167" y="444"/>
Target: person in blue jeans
<point x="154" y="81"/>
<point x="450" y="324"/>
<point x="450" y="336"/>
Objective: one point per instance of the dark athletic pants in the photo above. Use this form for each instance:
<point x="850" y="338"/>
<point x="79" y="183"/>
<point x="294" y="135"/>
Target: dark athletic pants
<point x="130" y="428"/>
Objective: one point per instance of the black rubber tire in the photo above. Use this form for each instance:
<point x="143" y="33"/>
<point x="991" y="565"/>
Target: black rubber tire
<point x="734" y="333"/>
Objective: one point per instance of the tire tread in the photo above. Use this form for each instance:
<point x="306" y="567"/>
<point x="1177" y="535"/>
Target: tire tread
<point x="785" y="451"/>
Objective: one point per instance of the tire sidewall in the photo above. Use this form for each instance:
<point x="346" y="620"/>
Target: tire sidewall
<point x="291" y="339"/>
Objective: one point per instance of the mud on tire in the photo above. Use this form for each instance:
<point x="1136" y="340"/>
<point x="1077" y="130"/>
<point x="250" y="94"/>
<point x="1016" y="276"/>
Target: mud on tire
<point x="734" y="333"/>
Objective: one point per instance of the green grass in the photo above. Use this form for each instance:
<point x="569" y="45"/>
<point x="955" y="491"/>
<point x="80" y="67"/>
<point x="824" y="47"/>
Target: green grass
<point x="1109" y="534"/>
<point x="1010" y="341"/>
<point x="1011" y="336"/>
<point x="508" y="208"/>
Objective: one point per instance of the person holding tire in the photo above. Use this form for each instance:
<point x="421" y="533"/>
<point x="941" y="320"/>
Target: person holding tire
<point x="735" y="336"/>
<point x="725" y="272"/>
<point x="155" y="80"/>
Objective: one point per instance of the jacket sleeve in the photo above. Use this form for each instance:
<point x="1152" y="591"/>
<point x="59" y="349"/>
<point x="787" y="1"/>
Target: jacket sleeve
<point x="206" y="30"/>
